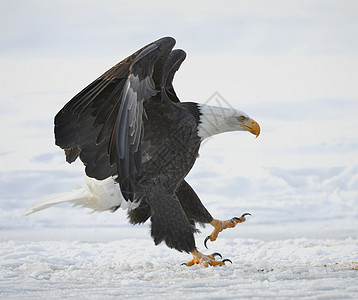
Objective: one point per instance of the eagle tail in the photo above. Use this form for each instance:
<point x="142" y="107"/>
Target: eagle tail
<point x="98" y="195"/>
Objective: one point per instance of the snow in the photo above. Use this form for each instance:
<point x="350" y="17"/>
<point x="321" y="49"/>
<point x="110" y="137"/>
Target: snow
<point x="299" y="244"/>
<point x="132" y="268"/>
<point x="292" y="66"/>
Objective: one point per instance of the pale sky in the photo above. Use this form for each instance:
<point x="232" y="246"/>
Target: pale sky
<point x="291" y="65"/>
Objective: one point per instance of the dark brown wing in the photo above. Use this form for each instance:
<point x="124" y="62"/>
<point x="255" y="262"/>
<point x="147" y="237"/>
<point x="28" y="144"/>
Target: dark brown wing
<point x="174" y="60"/>
<point x="103" y="123"/>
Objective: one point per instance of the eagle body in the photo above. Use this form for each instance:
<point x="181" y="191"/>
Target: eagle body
<point x="170" y="143"/>
<point x="138" y="142"/>
<point x="170" y="147"/>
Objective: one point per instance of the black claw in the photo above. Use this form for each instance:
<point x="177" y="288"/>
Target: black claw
<point x="206" y="239"/>
<point x="239" y="219"/>
<point x="245" y="214"/>
<point x="226" y="259"/>
<point x="183" y="264"/>
<point x="216" y="254"/>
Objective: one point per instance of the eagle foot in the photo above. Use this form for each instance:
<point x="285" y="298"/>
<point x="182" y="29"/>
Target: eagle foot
<point x="206" y="260"/>
<point x="221" y="225"/>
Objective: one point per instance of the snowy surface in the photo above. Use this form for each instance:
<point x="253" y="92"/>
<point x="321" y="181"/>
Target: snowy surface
<point x="297" y="244"/>
<point x="292" y="66"/>
<point x="131" y="268"/>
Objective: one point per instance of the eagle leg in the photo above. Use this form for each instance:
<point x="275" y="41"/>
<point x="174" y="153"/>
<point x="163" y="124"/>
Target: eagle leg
<point x="221" y="225"/>
<point x="205" y="260"/>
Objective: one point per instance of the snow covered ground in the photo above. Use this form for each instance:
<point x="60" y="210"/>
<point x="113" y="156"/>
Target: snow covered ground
<point x="297" y="244"/>
<point x="131" y="268"/>
<point x="292" y="66"/>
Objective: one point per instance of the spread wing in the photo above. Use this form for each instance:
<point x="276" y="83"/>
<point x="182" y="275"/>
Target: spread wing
<point x="103" y="123"/>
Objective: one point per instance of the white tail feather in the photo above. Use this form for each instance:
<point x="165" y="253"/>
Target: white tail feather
<point x="98" y="195"/>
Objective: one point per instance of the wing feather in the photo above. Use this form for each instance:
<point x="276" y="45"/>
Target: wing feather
<point x="103" y="123"/>
<point x="172" y="64"/>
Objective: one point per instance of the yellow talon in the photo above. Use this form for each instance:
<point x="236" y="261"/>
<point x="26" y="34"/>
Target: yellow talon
<point x="204" y="260"/>
<point x="221" y="225"/>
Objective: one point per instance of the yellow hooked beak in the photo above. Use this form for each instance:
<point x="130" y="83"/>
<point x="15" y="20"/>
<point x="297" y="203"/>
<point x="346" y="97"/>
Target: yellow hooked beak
<point x="252" y="126"/>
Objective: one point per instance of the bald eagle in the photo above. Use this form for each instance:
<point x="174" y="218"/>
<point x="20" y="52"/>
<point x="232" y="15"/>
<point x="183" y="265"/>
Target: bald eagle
<point x="138" y="142"/>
